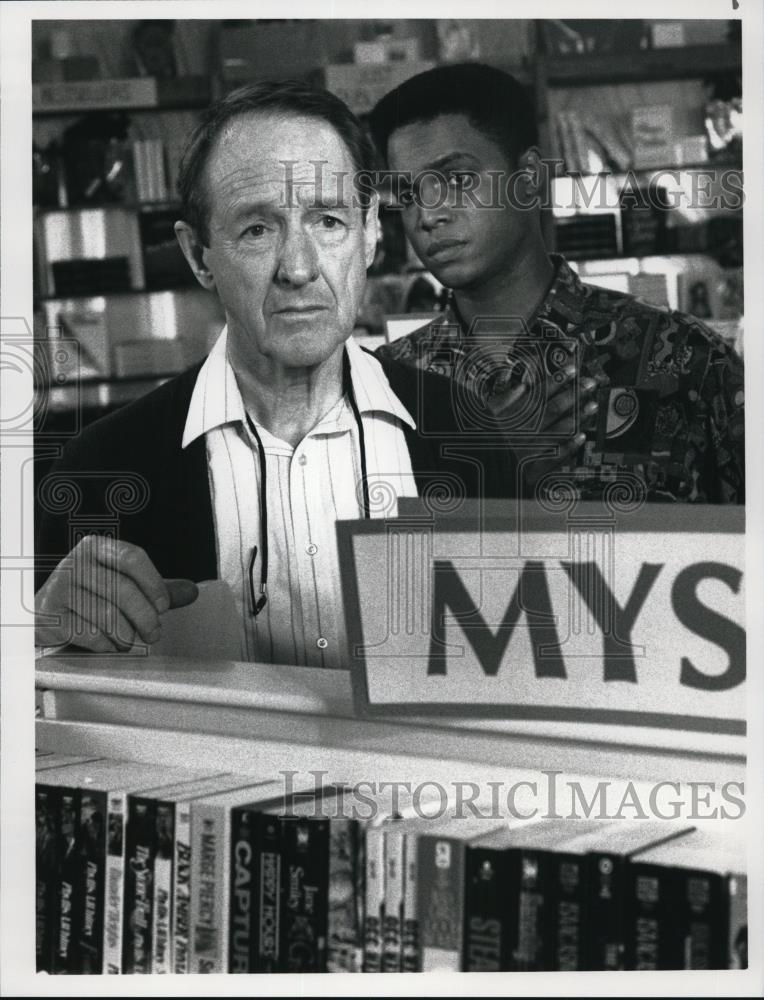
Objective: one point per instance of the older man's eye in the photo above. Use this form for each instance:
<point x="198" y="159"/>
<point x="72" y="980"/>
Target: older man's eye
<point x="256" y="229"/>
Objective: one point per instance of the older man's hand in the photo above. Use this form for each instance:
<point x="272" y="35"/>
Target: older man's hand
<point x="106" y="596"/>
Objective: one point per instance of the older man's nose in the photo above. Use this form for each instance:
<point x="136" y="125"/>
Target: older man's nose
<point x="298" y="259"/>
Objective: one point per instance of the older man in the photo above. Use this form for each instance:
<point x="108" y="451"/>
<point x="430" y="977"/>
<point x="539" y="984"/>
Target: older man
<point x="248" y="460"/>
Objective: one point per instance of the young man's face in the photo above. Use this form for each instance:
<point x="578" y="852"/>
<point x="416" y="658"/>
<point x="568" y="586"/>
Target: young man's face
<point x="288" y="255"/>
<point x="469" y="227"/>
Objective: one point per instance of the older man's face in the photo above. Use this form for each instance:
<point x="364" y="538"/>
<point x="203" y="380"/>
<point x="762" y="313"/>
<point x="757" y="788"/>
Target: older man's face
<point x="288" y="247"/>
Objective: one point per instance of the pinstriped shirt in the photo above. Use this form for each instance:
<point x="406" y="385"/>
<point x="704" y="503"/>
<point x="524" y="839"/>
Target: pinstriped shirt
<point x="308" y="488"/>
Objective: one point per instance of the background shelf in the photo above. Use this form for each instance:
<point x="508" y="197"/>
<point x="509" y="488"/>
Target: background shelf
<point x="643" y="65"/>
<point x="130" y="94"/>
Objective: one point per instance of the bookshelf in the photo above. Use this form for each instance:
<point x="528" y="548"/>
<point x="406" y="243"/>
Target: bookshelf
<point x="129" y="94"/>
<point x="256" y="720"/>
<point x="673" y="63"/>
<point x="134" y="206"/>
<point x="642" y="72"/>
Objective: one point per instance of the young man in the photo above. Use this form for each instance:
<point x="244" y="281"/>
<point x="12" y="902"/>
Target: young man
<point x="610" y="396"/>
<point x="239" y="468"/>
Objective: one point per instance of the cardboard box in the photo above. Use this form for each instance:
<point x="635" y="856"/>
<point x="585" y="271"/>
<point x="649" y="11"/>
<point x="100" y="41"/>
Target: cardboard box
<point x="653" y="131"/>
<point x="690" y="150"/>
<point x="695" y="31"/>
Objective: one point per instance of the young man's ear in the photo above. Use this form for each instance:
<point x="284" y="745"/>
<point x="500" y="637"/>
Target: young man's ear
<point x="531" y="164"/>
<point x="371" y="229"/>
<point x="195" y="253"/>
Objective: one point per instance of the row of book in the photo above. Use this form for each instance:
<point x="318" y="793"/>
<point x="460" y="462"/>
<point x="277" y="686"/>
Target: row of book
<point x="144" y="868"/>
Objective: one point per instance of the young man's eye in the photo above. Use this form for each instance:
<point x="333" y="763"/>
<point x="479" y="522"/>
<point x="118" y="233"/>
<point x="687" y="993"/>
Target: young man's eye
<point x="330" y="222"/>
<point x="460" y="179"/>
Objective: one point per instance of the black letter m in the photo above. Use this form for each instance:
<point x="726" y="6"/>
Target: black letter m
<point x="530" y="597"/>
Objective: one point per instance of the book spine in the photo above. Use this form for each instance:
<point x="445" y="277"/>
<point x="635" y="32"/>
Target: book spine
<point x="604" y="905"/>
<point x="704" y="927"/>
<point x="67" y="907"/>
<point x="411" y="959"/>
<point x="441" y="902"/>
<point x="374" y="900"/>
<point x="151" y="168"/>
<point x="92" y="836"/>
<point x="140" y="170"/>
<point x="737" y="922"/>
<point x="148" y="173"/>
<point x="580" y="144"/>
<point x="395" y="862"/>
<point x="48" y="827"/>
<point x="161" y="957"/>
<point x="529" y="954"/>
<point x="243" y="909"/>
<point x="568" y="144"/>
<point x="566" y="910"/>
<point x="160" y="171"/>
<point x="181" y="914"/>
<point x="305" y="882"/>
<point x="486" y="914"/>
<point x="346" y="878"/>
<point x="114" y="889"/>
<point x="139" y="873"/>
<point x="209" y="896"/>
<point x="269" y="860"/>
<point x="647" y="940"/>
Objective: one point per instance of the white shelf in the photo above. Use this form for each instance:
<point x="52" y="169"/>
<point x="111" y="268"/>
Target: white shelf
<point x="244" y="715"/>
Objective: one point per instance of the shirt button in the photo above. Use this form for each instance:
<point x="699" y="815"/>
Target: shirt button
<point x="322" y="643"/>
<point x="303" y="459"/>
<point x="311" y="549"/>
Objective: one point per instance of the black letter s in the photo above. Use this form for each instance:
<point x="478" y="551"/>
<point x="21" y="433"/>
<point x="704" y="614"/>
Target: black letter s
<point x="708" y="624"/>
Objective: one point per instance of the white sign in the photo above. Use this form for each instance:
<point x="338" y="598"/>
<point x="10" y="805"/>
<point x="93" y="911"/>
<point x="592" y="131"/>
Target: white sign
<point x="589" y="617"/>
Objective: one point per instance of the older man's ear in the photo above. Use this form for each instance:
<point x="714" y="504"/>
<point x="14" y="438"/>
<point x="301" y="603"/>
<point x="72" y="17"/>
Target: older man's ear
<point x="193" y="250"/>
<point x="371" y="227"/>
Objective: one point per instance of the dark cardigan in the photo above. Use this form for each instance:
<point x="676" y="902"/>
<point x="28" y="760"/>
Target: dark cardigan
<point x="127" y="475"/>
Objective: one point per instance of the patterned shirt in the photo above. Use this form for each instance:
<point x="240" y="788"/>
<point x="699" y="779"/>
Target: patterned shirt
<point x="308" y="489"/>
<point x="670" y="425"/>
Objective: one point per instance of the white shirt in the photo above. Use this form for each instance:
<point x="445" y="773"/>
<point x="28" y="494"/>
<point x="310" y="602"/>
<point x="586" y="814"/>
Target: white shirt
<point x="308" y="489"/>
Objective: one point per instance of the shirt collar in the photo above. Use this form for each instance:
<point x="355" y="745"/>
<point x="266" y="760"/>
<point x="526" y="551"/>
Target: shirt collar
<point x="563" y="302"/>
<point x="373" y="393"/>
<point x="216" y="399"/>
